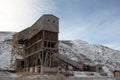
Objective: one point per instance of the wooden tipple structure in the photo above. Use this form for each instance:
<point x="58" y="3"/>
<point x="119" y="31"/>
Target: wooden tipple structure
<point x="38" y="45"/>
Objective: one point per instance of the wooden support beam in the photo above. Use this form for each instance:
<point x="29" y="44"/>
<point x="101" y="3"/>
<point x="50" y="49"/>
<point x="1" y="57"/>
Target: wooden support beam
<point x="34" y="44"/>
<point x="46" y="58"/>
<point x="40" y="58"/>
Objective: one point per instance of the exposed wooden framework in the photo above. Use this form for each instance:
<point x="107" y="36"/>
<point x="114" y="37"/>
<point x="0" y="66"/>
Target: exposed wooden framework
<point x="40" y="43"/>
<point x="40" y="47"/>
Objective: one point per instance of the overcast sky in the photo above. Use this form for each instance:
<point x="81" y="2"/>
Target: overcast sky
<point x="94" y="21"/>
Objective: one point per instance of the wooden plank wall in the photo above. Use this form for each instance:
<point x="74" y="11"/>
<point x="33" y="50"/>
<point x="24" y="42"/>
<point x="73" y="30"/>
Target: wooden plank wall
<point x="116" y="73"/>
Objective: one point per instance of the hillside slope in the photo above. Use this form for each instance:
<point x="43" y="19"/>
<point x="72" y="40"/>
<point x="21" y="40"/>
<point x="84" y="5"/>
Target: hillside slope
<point x="5" y="49"/>
<point x="76" y="50"/>
<point x="96" y="54"/>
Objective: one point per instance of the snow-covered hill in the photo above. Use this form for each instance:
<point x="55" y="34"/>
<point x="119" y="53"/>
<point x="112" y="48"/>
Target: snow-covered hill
<point x="5" y="49"/>
<point x="96" y="54"/>
<point x="77" y="50"/>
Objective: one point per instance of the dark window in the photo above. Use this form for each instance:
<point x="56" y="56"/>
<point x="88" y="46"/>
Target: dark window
<point x="48" y="44"/>
<point x="53" y="21"/>
<point x="52" y="45"/>
<point x="100" y="68"/>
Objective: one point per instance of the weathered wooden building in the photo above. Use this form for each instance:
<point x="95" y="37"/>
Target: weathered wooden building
<point x="38" y="45"/>
<point x="116" y="73"/>
<point x="40" y="41"/>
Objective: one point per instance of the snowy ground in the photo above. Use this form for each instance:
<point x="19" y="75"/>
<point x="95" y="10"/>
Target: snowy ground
<point x="78" y="76"/>
<point x="7" y="74"/>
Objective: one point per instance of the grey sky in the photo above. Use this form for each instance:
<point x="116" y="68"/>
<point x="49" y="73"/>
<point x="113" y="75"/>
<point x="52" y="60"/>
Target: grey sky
<point x="95" y="21"/>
